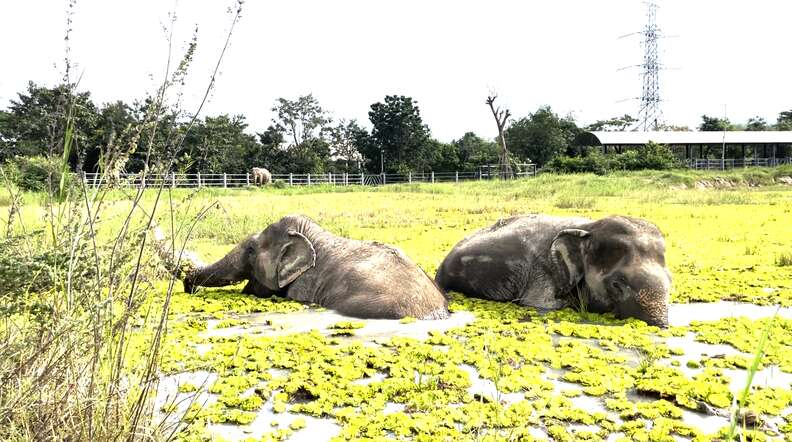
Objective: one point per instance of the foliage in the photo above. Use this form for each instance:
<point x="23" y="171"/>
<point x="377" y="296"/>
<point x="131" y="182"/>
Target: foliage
<point x="613" y="124"/>
<point x="756" y="124"/>
<point x="474" y="151"/>
<point x="300" y="120"/>
<point x="343" y="139"/>
<point x="652" y="156"/>
<point x="34" y="124"/>
<point x="220" y="144"/>
<point x="541" y="136"/>
<point x="784" y="121"/>
<point x="399" y="135"/>
<point x="35" y="173"/>
<point x="715" y="124"/>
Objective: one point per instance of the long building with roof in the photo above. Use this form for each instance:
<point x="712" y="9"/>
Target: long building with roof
<point x="694" y="145"/>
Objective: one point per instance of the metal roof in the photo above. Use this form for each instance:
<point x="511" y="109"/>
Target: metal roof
<point x="681" y="138"/>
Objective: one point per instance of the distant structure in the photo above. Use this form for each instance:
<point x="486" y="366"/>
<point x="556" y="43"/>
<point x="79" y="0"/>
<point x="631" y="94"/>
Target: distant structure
<point x="650" y="115"/>
<point x="763" y="145"/>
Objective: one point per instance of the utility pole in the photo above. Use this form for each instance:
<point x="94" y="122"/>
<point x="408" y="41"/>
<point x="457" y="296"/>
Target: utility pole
<point x="723" y="147"/>
<point x="649" y="114"/>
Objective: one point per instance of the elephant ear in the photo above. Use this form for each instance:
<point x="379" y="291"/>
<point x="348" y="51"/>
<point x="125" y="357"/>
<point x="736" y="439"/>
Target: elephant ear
<point x="296" y="256"/>
<point x="566" y="253"/>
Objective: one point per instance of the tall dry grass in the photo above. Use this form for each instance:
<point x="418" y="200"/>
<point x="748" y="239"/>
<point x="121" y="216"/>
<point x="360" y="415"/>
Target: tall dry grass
<point x="79" y="334"/>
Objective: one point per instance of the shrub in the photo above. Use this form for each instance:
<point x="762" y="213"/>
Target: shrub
<point x="652" y="156"/>
<point x="35" y="174"/>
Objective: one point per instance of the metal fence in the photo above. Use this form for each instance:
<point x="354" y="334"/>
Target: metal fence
<point x="226" y="180"/>
<point x="710" y="164"/>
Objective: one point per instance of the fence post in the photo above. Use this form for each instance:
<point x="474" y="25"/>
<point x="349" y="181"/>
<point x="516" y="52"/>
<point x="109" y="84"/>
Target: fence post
<point x="362" y="179"/>
<point x="225" y="181"/>
<point x="383" y="178"/>
<point x="329" y="177"/>
<point x="247" y="179"/>
<point x="433" y="176"/>
<point x="346" y="178"/>
<point x="409" y="177"/>
<point x="309" y="179"/>
<point x="173" y="180"/>
<point x="456" y="176"/>
<point x="199" y="179"/>
<point x="291" y="179"/>
<point x="84" y="178"/>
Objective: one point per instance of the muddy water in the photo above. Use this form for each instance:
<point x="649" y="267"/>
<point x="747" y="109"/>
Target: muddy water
<point x="375" y="330"/>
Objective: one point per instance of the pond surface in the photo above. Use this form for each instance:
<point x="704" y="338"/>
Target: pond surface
<point x="373" y="332"/>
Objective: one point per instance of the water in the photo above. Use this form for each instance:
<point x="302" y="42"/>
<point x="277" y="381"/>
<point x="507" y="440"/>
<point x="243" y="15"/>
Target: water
<point x="379" y="329"/>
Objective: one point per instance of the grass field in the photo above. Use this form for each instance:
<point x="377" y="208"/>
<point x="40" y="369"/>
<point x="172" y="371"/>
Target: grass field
<point x="565" y="375"/>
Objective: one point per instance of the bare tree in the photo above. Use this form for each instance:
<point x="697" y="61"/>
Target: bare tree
<point x="501" y="116"/>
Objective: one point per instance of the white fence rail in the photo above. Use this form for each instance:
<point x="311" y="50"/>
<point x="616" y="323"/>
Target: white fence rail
<point x="717" y="164"/>
<point x="227" y="180"/>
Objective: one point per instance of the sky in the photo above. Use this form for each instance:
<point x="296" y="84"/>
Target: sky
<point x="724" y="57"/>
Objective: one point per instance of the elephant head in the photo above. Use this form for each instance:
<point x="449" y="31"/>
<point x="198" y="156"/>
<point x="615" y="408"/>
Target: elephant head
<point x="621" y="263"/>
<point x="274" y="258"/>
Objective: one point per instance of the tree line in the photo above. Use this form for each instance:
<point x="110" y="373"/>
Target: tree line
<point x="302" y="136"/>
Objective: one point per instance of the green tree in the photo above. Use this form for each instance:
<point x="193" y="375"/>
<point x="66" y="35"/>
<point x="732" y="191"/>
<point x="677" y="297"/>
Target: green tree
<point x="541" y="136"/>
<point x="619" y="124"/>
<point x="756" y="124"/>
<point x="343" y="147"/>
<point x="114" y="129"/>
<point x="300" y="120"/>
<point x="443" y="157"/>
<point x="400" y="134"/>
<point x="220" y="144"/>
<point x="34" y="123"/>
<point x="474" y="151"/>
<point x="712" y="124"/>
<point x="304" y="125"/>
<point x="784" y="121"/>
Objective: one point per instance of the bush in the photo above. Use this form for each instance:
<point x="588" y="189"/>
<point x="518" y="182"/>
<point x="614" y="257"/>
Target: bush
<point x="652" y="156"/>
<point x="35" y="174"/>
<point x="593" y="162"/>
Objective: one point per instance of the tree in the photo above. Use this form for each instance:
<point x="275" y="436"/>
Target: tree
<point x="400" y="139"/>
<point x="672" y="128"/>
<point x="712" y="124"/>
<point x="474" y="151"/>
<point x="756" y="124"/>
<point x="35" y="123"/>
<point x="343" y="146"/>
<point x="220" y="145"/>
<point x="542" y="135"/>
<point x="784" y="121"/>
<point x="501" y="116"/>
<point x="300" y="120"/>
<point x="113" y="131"/>
<point x="616" y="124"/>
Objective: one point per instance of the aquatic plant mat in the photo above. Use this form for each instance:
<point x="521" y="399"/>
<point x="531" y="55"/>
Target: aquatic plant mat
<point x="241" y="368"/>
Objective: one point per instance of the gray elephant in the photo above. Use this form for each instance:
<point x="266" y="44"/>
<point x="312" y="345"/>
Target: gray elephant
<point x="261" y="176"/>
<point x="615" y="264"/>
<point x="298" y="259"/>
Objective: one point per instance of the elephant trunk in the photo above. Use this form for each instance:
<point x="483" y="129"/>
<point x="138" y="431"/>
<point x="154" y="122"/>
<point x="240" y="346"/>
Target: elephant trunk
<point x="228" y="270"/>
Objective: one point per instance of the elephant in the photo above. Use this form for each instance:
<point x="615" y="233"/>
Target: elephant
<point x="614" y="264"/>
<point x="261" y="176"/>
<point x="296" y="258"/>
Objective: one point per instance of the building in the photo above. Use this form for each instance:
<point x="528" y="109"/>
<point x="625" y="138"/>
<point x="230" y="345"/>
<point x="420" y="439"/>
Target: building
<point x="699" y="145"/>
